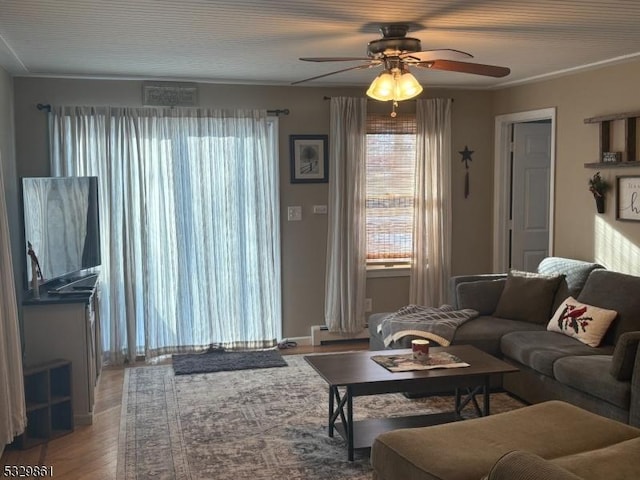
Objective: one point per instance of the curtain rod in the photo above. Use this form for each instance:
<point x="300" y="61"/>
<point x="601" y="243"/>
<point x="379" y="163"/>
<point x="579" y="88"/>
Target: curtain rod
<point x="284" y="111"/>
<point x="277" y="112"/>
<point x="410" y="100"/>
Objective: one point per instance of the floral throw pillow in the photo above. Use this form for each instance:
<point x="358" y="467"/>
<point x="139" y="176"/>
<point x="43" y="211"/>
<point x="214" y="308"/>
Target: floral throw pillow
<point x="581" y="321"/>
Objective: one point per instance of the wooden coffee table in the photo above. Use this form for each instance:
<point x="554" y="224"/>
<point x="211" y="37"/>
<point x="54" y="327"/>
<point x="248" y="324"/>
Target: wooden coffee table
<point x="357" y="374"/>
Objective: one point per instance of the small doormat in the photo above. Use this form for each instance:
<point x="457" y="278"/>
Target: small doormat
<point x="226" y="361"/>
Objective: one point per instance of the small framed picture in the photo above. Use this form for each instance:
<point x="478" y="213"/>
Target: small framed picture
<point x="628" y="198"/>
<point x="309" y="158"/>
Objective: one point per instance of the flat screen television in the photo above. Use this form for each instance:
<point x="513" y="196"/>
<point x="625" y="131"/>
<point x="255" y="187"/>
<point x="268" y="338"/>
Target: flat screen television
<point x="61" y="221"/>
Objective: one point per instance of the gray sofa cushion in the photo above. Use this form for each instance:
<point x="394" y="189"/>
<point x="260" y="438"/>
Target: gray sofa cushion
<point x="484" y="332"/>
<point x="624" y="355"/>
<point x="482" y="296"/>
<point x="575" y="274"/>
<point x="458" y="279"/>
<point x="540" y="350"/>
<point x="519" y="465"/>
<point x="615" y="291"/>
<point x="527" y="297"/>
<point x="591" y="374"/>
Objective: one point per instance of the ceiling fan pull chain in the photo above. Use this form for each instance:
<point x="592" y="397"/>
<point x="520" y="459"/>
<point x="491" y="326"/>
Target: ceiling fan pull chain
<point x="393" y="109"/>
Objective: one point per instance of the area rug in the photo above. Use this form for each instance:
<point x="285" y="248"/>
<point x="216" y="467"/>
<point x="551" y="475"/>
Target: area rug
<point x="254" y="424"/>
<point x="226" y="361"/>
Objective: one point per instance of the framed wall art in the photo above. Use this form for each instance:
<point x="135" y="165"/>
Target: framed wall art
<point x="309" y="158"/>
<point x="170" y="94"/>
<point x="628" y="198"/>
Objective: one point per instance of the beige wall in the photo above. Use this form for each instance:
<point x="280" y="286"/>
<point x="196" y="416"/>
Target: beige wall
<point x="579" y="231"/>
<point x="303" y="243"/>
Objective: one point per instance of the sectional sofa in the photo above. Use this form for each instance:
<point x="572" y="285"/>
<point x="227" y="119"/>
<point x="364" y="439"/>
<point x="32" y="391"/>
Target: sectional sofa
<point x="572" y="328"/>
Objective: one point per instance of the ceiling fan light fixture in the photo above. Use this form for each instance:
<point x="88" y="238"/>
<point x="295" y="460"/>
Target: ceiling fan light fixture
<point x="383" y="87"/>
<point x="408" y="86"/>
<point x="394" y="85"/>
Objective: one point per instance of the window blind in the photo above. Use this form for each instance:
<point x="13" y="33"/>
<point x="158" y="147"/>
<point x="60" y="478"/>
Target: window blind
<point x="391" y="146"/>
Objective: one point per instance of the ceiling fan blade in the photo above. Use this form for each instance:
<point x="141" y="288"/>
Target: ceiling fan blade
<point x="465" y="67"/>
<point x="436" y="54"/>
<point x="357" y="67"/>
<point x="334" y="59"/>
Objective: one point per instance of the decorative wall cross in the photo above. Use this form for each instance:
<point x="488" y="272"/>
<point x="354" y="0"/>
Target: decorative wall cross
<point x="466" y="158"/>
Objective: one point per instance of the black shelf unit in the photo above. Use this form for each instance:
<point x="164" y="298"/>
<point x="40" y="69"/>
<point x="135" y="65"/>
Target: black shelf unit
<point x="47" y="391"/>
<point x="629" y="157"/>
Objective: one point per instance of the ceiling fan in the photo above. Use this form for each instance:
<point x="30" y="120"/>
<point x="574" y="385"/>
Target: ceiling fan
<point x="396" y="52"/>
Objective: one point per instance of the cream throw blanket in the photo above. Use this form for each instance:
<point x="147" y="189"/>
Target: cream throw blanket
<point x="433" y="323"/>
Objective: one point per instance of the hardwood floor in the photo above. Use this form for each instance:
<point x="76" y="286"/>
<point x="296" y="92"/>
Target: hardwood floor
<point x="91" y="451"/>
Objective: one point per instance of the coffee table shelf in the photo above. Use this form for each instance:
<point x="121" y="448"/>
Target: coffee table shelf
<point x="366" y="431"/>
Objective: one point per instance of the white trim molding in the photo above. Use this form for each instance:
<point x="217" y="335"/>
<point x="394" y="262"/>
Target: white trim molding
<point x="502" y="174"/>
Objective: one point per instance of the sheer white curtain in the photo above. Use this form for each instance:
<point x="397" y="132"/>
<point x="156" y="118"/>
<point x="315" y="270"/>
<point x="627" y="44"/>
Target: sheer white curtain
<point x="346" y="241"/>
<point x="12" y="407"/>
<point x="189" y="223"/>
<point x="431" y="264"/>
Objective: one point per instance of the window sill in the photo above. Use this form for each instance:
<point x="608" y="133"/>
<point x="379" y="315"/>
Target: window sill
<point x="378" y="271"/>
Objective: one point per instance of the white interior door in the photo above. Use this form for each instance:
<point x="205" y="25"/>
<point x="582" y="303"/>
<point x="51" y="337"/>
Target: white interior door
<point x="530" y="194"/>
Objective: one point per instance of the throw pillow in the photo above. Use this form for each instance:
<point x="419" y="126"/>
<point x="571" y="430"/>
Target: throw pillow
<point x="575" y="276"/>
<point x="527" y="296"/>
<point x="482" y="295"/>
<point x="581" y="321"/>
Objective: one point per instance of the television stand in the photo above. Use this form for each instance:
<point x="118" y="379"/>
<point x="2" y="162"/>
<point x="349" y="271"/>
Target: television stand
<point x="64" y="323"/>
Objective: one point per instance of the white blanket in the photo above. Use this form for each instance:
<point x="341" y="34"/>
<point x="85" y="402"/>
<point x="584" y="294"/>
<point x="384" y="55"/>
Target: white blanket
<point x="433" y="323"/>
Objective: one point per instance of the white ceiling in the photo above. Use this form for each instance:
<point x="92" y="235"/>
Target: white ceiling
<point x="260" y="41"/>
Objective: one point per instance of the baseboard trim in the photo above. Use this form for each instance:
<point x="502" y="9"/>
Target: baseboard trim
<point x="321" y="335"/>
<point x="300" y="341"/>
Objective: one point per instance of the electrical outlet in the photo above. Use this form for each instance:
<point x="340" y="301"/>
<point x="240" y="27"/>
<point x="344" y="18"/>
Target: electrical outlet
<point x="368" y="305"/>
<point x="294" y="214"/>
<point x="320" y="209"/>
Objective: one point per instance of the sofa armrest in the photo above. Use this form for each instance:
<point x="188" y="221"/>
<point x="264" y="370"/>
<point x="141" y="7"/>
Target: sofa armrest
<point x="634" y="409"/>
<point x="519" y="465"/>
<point x="458" y="279"/>
<point x="624" y="356"/>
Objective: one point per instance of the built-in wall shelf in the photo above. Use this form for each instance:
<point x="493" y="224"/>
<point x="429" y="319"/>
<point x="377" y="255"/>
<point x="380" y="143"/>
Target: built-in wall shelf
<point x="612" y="116"/>
<point x="631" y="163"/>
<point x="628" y="156"/>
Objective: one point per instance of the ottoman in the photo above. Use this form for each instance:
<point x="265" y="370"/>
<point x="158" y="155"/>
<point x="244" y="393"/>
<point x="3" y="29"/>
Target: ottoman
<point x="467" y="450"/>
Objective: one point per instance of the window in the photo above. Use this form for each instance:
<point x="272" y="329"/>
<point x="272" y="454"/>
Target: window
<point x="391" y="148"/>
<point x="189" y="195"/>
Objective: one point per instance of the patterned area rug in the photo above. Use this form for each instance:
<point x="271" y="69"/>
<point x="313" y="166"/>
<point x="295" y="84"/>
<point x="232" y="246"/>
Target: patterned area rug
<point x="225" y="361"/>
<point x="253" y="424"/>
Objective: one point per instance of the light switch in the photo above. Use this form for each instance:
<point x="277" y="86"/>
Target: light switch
<point x="294" y="214"/>
<point x="320" y="209"/>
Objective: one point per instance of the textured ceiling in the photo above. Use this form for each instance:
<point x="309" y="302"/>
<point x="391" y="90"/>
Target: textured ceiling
<point x="259" y="42"/>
